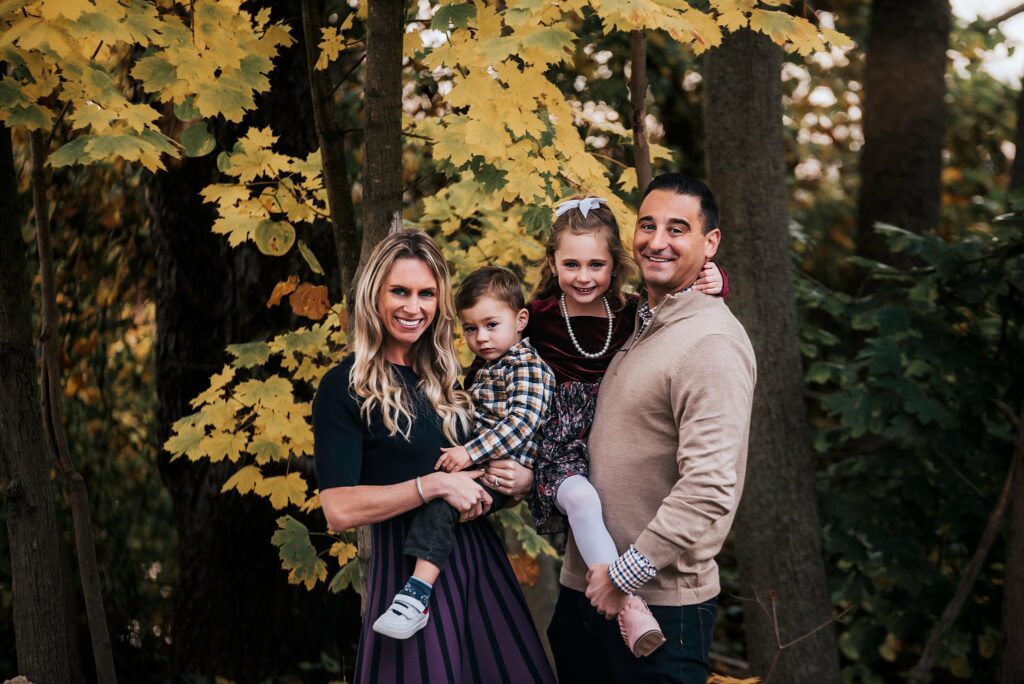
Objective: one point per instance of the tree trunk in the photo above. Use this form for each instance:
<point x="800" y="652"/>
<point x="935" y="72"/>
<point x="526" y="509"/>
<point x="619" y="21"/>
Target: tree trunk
<point x="235" y="615"/>
<point x="1013" y="587"/>
<point x="904" y="120"/>
<point x="1017" y="169"/>
<point x="53" y="427"/>
<point x="382" y="162"/>
<point x="778" y="532"/>
<point x="38" y="596"/>
<point x="332" y="152"/>
<point x="637" y="95"/>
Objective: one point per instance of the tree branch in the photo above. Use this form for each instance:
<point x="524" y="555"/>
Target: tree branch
<point x="1008" y="14"/>
<point x="931" y="651"/>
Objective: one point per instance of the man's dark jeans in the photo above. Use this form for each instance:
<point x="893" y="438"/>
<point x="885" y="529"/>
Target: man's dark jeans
<point x="588" y="647"/>
<point x="432" y="533"/>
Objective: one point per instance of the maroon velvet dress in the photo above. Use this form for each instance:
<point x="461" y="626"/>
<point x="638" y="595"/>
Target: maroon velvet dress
<point x="563" y="436"/>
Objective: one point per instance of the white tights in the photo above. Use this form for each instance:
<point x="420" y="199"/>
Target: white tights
<point x="578" y="499"/>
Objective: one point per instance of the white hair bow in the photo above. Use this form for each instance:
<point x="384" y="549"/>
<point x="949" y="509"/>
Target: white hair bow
<point x="584" y="205"/>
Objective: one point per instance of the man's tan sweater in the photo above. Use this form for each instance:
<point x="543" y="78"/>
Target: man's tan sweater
<point x="668" y="448"/>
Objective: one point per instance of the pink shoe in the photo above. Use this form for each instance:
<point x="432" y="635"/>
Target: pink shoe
<point x="639" y="628"/>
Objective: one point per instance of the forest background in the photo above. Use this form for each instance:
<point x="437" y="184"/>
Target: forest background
<point x="185" y="203"/>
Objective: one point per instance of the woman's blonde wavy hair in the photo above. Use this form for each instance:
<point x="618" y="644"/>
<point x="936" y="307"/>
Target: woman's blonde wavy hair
<point x="375" y="380"/>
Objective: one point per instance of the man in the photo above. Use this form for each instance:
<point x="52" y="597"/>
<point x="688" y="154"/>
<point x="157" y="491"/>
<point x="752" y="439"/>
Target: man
<point x="667" y="455"/>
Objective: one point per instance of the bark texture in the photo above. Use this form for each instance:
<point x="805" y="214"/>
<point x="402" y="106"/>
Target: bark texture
<point x="1017" y="169"/>
<point x="235" y="614"/>
<point x="1013" y="587"/>
<point x="904" y="119"/>
<point x="39" y="606"/>
<point x="637" y="96"/>
<point x="331" y="138"/>
<point x="53" y="427"/>
<point x="778" y="532"/>
<point x="382" y="160"/>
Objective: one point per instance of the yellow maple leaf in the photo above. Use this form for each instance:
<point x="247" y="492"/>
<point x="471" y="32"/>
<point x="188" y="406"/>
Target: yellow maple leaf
<point x="311" y="504"/>
<point x="332" y="42"/>
<point x="451" y="144"/>
<point x="221" y="445"/>
<point x="283" y="489"/>
<point x="184" y="439"/>
<point x="343" y="551"/>
<point x="627" y="181"/>
<point x="837" y="40"/>
<point x="220" y="414"/>
<point x="216" y="389"/>
<point x="245" y="480"/>
<point x="301" y="576"/>
<point x="270" y="393"/>
<point x="225" y="194"/>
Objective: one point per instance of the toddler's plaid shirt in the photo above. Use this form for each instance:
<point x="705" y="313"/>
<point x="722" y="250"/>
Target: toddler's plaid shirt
<point x="511" y="395"/>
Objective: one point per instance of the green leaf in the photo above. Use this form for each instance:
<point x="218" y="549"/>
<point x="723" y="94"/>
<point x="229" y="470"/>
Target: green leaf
<point x="71" y="153"/>
<point x="298" y="555"/>
<point x="347" y="577"/>
<point x="32" y="117"/>
<point x="249" y="354"/>
<point x="265" y="450"/>
<point x="310" y="258"/>
<point x="186" y="111"/>
<point x="274" y="238"/>
<point x="223" y="162"/>
<point x="821" y="372"/>
<point x="197" y="140"/>
<point x="155" y="72"/>
<point x="456" y="16"/>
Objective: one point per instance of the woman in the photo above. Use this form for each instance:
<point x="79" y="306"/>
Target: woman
<point x="380" y="419"/>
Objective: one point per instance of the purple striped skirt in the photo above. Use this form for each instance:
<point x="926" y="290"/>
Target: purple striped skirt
<point x="479" y="630"/>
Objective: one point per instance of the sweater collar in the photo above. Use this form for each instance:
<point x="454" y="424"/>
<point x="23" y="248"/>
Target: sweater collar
<point x="672" y="308"/>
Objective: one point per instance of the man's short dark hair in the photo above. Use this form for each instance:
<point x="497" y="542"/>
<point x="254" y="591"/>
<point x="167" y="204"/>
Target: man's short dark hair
<point x="500" y="283"/>
<point x="690" y="187"/>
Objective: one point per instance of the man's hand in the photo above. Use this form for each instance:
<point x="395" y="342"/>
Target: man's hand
<point x="453" y="459"/>
<point x="604" y="595"/>
<point x="508" y="477"/>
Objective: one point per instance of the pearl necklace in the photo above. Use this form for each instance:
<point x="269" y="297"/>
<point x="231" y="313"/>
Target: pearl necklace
<point x="572" y="335"/>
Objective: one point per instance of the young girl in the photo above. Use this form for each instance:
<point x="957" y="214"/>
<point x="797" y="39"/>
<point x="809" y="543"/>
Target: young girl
<point x="579" y="317"/>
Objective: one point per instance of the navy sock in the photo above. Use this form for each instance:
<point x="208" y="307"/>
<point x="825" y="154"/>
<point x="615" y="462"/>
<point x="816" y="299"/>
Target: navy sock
<point x="418" y="589"/>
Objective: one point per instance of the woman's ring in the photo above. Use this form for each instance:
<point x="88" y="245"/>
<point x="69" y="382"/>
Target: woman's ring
<point x="497" y="481"/>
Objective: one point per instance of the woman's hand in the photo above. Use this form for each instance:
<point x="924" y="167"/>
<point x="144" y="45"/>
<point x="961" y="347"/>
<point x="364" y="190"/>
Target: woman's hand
<point x="461" y="492"/>
<point x="710" y="280"/>
<point x="509" y="478"/>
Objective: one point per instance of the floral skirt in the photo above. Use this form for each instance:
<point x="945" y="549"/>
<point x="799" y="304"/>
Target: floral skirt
<point x="562" y="450"/>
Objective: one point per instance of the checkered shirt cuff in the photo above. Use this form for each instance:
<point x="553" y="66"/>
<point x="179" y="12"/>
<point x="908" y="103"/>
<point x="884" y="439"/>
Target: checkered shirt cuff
<point x="631" y="570"/>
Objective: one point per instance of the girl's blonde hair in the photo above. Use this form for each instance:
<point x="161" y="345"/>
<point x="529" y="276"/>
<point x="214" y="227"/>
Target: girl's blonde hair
<point x="599" y="219"/>
<point x="376" y="381"/>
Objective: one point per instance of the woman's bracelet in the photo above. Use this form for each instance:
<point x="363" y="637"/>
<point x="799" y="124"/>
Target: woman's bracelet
<point x="419" y="490"/>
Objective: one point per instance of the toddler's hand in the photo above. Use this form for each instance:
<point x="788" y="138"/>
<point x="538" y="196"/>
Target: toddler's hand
<point x="710" y="279"/>
<point x="453" y="459"/>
